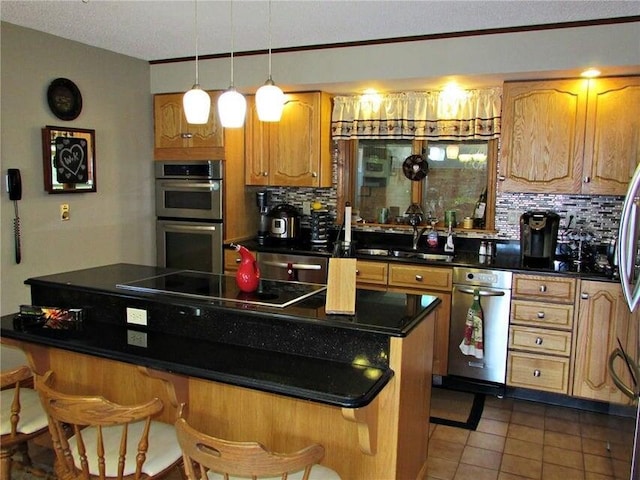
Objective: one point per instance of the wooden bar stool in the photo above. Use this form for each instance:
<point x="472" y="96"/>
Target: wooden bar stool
<point x="95" y="438"/>
<point x="21" y="417"/>
<point x="206" y="456"/>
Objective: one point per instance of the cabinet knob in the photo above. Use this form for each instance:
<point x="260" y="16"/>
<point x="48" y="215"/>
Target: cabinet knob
<point x="584" y="296"/>
<point x="314" y="174"/>
<point x="501" y="178"/>
<point x="186" y="135"/>
<point x="265" y="174"/>
<point x="357" y="272"/>
<point x="540" y="314"/>
<point x="419" y="278"/>
<point x="238" y="260"/>
<point x="587" y="179"/>
<point x="537" y="373"/>
<point x="543" y="289"/>
<point x="538" y="341"/>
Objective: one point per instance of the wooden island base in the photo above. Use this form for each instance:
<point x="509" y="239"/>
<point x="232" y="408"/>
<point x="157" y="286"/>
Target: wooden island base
<point x="387" y="439"/>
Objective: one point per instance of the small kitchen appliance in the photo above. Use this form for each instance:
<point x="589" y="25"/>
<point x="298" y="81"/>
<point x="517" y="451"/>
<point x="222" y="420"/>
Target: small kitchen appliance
<point x="538" y="238"/>
<point x="262" y="200"/>
<point x="285" y="223"/>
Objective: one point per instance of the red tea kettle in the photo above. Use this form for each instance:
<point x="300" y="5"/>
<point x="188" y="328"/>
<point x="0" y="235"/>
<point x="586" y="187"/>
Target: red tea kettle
<point x="248" y="274"/>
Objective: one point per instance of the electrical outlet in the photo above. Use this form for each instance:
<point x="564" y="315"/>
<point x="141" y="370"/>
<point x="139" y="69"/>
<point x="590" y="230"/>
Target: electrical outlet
<point x="514" y="217"/>
<point x="571" y="217"/>
<point x="136" y="316"/>
<point x="136" y="338"/>
<point x="64" y="211"/>
<point x="306" y="208"/>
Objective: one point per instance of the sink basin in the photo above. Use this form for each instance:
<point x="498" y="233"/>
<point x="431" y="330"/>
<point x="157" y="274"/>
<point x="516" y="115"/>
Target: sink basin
<point x="381" y="252"/>
<point x="437" y="257"/>
<point x="378" y="252"/>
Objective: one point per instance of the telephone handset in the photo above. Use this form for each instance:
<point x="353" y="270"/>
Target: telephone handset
<point x="14" y="187"/>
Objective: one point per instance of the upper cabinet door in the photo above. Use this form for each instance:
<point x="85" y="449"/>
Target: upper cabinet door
<point x="175" y="139"/>
<point x="612" y="140"/>
<point x="295" y="151"/>
<point x="543" y="136"/>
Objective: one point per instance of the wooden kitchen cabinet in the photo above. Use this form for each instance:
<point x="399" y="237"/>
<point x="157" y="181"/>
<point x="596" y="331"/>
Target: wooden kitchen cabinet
<point x="602" y="319"/>
<point x="175" y="139"/>
<point x="419" y="280"/>
<point x="570" y="136"/>
<point x="541" y="332"/>
<point x="294" y="152"/>
<point x="612" y="143"/>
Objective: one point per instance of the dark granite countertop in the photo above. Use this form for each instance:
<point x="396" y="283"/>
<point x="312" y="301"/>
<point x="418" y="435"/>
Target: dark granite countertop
<point x="298" y="351"/>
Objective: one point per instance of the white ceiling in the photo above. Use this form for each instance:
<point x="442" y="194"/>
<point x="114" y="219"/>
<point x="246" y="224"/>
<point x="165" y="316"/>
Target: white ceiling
<point x="156" y="30"/>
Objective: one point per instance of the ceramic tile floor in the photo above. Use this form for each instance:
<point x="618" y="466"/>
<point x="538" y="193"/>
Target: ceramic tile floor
<point x="518" y="440"/>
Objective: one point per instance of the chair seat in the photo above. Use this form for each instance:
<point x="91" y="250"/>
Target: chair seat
<point x="164" y="449"/>
<point x="318" y="472"/>
<point x="32" y="415"/>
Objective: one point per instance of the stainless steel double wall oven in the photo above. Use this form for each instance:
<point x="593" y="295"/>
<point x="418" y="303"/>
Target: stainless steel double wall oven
<point x="189" y="209"/>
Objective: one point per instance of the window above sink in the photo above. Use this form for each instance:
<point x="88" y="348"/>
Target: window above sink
<point x="458" y="175"/>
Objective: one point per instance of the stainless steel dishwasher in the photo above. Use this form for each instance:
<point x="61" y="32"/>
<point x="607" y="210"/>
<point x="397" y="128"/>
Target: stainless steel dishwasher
<point x="288" y="266"/>
<point x="494" y="287"/>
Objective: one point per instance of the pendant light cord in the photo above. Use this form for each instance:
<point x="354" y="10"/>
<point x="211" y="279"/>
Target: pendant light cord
<point x="270" y="40"/>
<point x="232" y="41"/>
<point x="197" y="38"/>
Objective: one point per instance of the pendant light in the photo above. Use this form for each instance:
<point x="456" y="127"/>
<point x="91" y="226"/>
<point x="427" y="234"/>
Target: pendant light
<point x="196" y="102"/>
<point x="269" y="98"/>
<point x="232" y="106"/>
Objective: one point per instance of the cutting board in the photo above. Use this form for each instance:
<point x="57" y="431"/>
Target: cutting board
<point x="341" y="286"/>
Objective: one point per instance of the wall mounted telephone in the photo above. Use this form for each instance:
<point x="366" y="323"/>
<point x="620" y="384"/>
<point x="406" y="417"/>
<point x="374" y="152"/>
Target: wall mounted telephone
<point x="14" y="187"/>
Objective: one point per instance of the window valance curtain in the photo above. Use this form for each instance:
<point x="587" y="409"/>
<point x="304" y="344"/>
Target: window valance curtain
<point x="436" y="115"/>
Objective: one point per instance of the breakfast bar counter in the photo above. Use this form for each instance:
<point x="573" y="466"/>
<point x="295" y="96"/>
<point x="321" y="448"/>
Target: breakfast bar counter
<point x="277" y="370"/>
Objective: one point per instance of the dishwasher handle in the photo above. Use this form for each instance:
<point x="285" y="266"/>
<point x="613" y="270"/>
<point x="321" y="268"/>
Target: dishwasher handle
<point x="481" y="292"/>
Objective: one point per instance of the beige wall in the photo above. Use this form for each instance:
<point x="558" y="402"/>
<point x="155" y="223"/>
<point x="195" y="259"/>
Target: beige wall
<point x="116" y="223"/>
<point x="523" y="55"/>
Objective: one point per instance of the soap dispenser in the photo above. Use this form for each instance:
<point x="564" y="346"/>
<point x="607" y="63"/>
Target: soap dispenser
<point x="448" y="246"/>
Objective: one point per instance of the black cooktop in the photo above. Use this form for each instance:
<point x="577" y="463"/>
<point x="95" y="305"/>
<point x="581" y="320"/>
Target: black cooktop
<point x="211" y="286"/>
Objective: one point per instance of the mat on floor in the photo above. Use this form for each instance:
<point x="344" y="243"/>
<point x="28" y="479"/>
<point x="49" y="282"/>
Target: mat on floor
<point x="455" y="408"/>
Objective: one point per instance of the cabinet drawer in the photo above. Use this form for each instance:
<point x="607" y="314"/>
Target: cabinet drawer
<point x="417" y="276"/>
<point x="556" y="289"/>
<point x="540" y="340"/>
<point x="542" y="314"/>
<point x="371" y="272"/>
<point x="538" y="372"/>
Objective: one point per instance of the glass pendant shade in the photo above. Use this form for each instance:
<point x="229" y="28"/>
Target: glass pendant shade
<point x="232" y="108"/>
<point x="269" y="102"/>
<point x="197" y="104"/>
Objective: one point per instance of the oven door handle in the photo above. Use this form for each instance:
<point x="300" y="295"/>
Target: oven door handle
<point x="482" y="292"/>
<point x="295" y="266"/>
<point x="189" y="228"/>
<point x="185" y="186"/>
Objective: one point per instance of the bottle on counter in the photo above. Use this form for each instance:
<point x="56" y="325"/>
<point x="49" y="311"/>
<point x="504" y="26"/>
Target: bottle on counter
<point x="480" y="210"/>
<point x="483" y="248"/>
<point x="490" y="249"/>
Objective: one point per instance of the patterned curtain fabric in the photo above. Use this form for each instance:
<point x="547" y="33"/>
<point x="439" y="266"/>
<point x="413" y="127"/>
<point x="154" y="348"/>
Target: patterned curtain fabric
<point x="438" y="115"/>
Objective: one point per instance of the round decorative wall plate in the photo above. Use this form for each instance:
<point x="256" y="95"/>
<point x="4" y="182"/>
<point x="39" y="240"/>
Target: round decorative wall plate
<point x="64" y="98"/>
<point x="415" y="167"/>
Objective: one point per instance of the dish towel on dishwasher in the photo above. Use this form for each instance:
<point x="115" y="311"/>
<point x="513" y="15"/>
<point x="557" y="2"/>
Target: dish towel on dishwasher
<point x="473" y="341"/>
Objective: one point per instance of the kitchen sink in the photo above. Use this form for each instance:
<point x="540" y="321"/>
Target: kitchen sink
<point x="381" y="252"/>
<point x="378" y="252"/>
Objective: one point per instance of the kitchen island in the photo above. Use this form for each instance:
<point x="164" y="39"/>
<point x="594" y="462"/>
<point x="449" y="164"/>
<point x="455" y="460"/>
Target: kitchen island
<point x="286" y="376"/>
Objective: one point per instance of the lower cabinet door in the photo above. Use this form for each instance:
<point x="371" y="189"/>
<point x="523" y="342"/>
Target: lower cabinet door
<point x="538" y="372"/>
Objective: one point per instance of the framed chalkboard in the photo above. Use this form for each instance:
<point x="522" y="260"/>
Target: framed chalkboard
<point x="69" y="159"/>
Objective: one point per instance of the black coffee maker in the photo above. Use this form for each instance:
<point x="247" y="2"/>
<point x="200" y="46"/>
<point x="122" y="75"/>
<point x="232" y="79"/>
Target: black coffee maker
<point x="538" y="238"/>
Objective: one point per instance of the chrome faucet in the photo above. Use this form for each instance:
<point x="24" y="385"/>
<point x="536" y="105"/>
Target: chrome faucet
<point x="416" y="217"/>
<point x="417" y="233"/>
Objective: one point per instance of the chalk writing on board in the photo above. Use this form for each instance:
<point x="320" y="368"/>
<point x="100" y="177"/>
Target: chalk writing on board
<point x="71" y="160"/>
